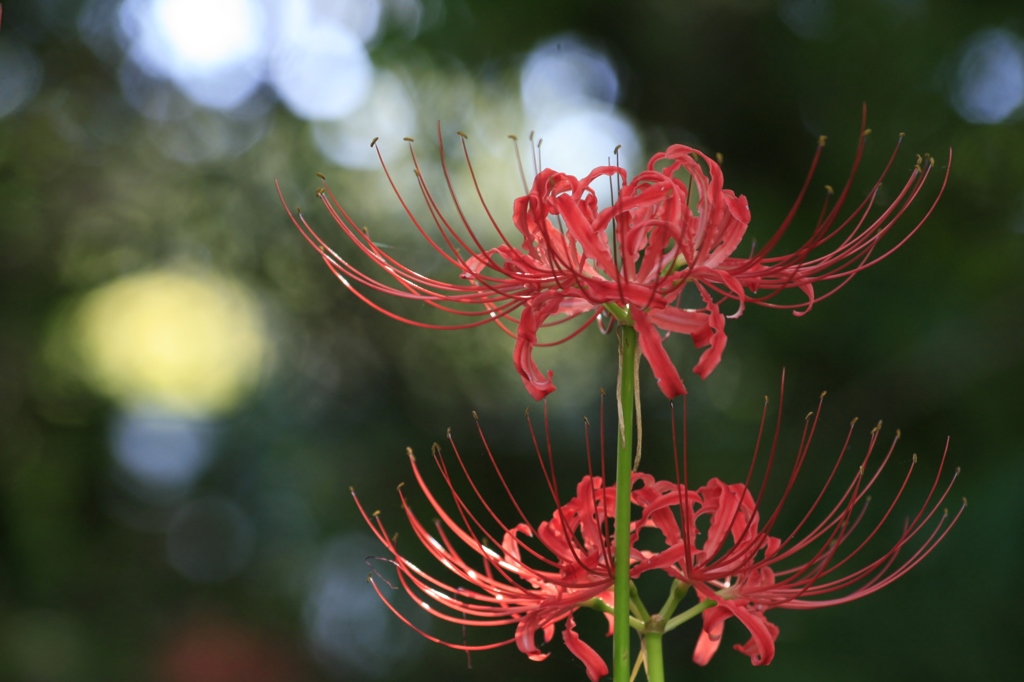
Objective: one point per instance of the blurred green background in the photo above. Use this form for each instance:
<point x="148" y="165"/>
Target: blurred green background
<point x="186" y="394"/>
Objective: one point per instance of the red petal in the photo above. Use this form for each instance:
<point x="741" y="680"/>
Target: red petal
<point x="711" y="634"/>
<point x="761" y="645"/>
<point x="526" y="633"/>
<point x="715" y="337"/>
<point x="537" y="384"/>
<point x="651" y="346"/>
<point x="595" y="665"/>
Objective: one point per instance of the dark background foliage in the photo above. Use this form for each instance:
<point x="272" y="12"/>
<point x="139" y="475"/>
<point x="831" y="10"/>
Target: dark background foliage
<point x="250" y="564"/>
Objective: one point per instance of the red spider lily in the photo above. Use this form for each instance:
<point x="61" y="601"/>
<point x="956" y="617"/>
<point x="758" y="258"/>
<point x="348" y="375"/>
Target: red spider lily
<point x="672" y="224"/>
<point x="746" y="570"/>
<point x="502" y="579"/>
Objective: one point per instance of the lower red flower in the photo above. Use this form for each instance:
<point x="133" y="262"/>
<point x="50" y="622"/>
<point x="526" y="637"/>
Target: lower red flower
<point x="530" y="577"/>
<point x="722" y="542"/>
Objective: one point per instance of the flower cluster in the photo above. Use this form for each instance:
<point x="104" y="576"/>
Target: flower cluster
<point x="503" y="579"/>
<point x="717" y="539"/>
<point x="672" y="225"/>
<point x="661" y="255"/>
<point x="744" y="570"/>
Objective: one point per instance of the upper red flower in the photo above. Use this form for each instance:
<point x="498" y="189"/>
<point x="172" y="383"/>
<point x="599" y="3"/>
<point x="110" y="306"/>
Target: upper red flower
<point x="721" y="543"/>
<point x="671" y="225"/>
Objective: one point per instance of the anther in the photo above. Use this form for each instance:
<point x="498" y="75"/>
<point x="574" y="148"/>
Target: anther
<point x="965" y="501"/>
<point x="720" y="158"/>
<point x="373" y="143"/>
<point x="957" y="472"/>
<point x="513" y="137"/>
<point x="823" y="394"/>
<point x="399" y="486"/>
<point x="897" y="434"/>
<point x="320" y="191"/>
<point x="408" y="451"/>
<point x="828" y="188"/>
<point x="853" y="421"/>
<point x="408" y="139"/>
<point x="475" y="417"/>
<point x="913" y="458"/>
<point x="461" y="134"/>
<point x="821" y="140"/>
<point x="321" y="176"/>
<point x="617" y="148"/>
<point x="375" y="513"/>
<point x="902" y="135"/>
<point x="867" y="131"/>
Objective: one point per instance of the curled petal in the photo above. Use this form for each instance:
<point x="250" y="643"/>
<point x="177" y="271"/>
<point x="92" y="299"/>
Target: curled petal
<point x="595" y="665"/>
<point x="761" y="645"/>
<point x="714" y="337"/>
<point x="537" y="383"/>
<point x="705" y="327"/>
<point x="711" y="634"/>
<point x="525" y="633"/>
<point x="651" y="346"/>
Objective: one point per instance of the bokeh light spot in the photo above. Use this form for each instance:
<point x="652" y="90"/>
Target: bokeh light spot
<point x="350" y="630"/>
<point x="563" y="73"/>
<point x="323" y="74"/>
<point x="989" y="84"/>
<point x="213" y="51"/>
<point x="809" y="19"/>
<point x="186" y="343"/>
<point x="160" y="451"/>
<point x="581" y="140"/>
<point x="389" y="113"/>
<point x="21" y="74"/>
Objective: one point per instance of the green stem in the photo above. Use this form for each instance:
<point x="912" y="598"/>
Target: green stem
<point x="599" y="605"/>
<point x="655" y="660"/>
<point x="623" y="490"/>
<point x="638" y="606"/>
<point x="675" y="595"/>
<point x="689" y="613"/>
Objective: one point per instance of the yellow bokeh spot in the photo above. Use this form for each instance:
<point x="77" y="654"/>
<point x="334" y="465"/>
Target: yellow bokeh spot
<point x="186" y="342"/>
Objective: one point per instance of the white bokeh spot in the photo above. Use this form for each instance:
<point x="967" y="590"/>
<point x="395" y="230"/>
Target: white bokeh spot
<point x="989" y="83"/>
